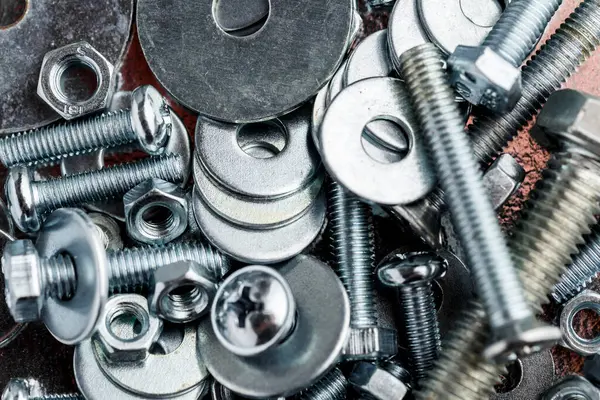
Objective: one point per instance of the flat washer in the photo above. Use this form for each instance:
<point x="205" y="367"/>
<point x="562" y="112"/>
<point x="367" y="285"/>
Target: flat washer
<point x="265" y="246"/>
<point x="369" y="59"/>
<point x="256" y="214"/>
<point x="537" y="375"/>
<point x="296" y="165"/>
<point x="313" y="347"/>
<point x="345" y="158"/>
<point x="72" y="232"/>
<point x="404" y="30"/>
<point x="245" y="79"/>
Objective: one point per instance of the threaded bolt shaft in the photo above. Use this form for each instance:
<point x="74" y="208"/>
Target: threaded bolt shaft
<point x="584" y="268"/>
<point x="461" y="179"/>
<point x="332" y="386"/>
<point x="353" y="251"/>
<point x="59" y="397"/>
<point x="570" y="46"/>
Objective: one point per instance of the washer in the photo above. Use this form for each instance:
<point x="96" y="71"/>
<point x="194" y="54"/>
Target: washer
<point x="369" y="59"/>
<point x="250" y="213"/>
<point x="471" y="21"/>
<point x="586" y="300"/>
<point x="207" y="70"/>
<point x="345" y="158"/>
<point x="537" y="375"/>
<point x="265" y="246"/>
<point x="313" y="347"/>
<point x="291" y="169"/>
<point x="404" y="30"/>
<point x="235" y="15"/>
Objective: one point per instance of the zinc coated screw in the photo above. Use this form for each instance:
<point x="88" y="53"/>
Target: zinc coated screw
<point x="148" y="122"/>
<point x="332" y="386"/>
<point x="29" y="201"/>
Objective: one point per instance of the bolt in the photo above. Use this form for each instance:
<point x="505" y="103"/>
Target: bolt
<point x="130" y="270"/>
<point x="353" y="250"/>
<point x="29" y="201"/>
<point x="332" y="386"/>
<point x="386" y="380"/>
<point x="29" y="389"/>
<point x="511" y="319"/>
<point x="489" y="75"/>
<point x="148" y="122"/>
<point x="412" y="274"/>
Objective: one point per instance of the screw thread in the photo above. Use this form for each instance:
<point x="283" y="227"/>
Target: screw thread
<point x="58" y="276"/>
<point x="519" y="28"/>
<point x="332" y="386"/>
<point x="397" y="370"/>
<point x="557" y="59"/>
<point x="461" y="179"/>
<point x="558" y="215"/>
<point x="584" y="268"/>
<point x="353" y="251"/>
<point x="72" y="396"/>
<point x="96" y="186"/>
<point x="421" y="326"/>
<point x="68" y="139"/>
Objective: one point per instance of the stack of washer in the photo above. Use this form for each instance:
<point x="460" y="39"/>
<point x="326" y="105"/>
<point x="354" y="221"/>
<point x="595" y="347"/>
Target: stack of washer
<point x="258" y="187"/>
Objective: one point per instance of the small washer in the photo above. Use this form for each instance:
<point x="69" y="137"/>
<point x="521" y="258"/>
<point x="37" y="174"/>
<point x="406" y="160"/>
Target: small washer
<point x="72" y="232"/>
<point x="586" y="300"/>
<point x="291" y="169"/>
<point x="251" y="213"/>
<point x="265" y="246"/>
<point x="404" y="30"/>
<point x="313" y="347"/>
<point x="245" y="79"/>
<point x="345" y="158"/>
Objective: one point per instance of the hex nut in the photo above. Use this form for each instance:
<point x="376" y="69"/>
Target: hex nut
<point x="370" y="343"/>
<point x="54" y="68"/>
<point x="572" y="387"/>
<point x="376" y="382"/>
<point x="156" y="212"/>
<point x="484" y="78"/>
<point x="502" y="179"/>
<point x="587" y="299"/>
<point x="182" y="292"/>
<point x="24" y="291"/>
<point x="118" y="348"/>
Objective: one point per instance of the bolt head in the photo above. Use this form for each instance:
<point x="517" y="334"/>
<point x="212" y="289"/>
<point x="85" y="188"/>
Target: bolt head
<point x="512" y="345"/>
<point x="150" y="119"/>
<point x="20" y="199"/>
<point x="21" y="389"/>
<point x="409" y="268"/>
<point x="373" y="380"/>
<point x="253" y="310"/>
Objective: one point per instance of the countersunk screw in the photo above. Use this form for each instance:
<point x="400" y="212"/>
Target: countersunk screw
<point x="332" y="386"/>
<point x="352" y="240"/>
<point x="412" y="274"/>
<point x="511" y="319"/>
<point x="28" y="389"/>
<point x="148" y="122"/>
<point x="30" y="201"/>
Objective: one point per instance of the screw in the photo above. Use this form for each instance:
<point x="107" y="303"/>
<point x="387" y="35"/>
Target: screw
<point x="332" y="386"/>
<point x="29" y="389"/>
<point x="29" y="201"/>
<point x="353" y="250"/>
<point x="412" y="275"/>
<point x="147" y="122"/>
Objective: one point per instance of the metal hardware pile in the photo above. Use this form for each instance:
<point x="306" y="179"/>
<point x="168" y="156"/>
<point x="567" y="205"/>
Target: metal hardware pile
<point x="246" y="264"/>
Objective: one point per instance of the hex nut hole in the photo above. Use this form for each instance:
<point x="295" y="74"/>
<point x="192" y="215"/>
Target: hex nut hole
<point x="127" y="322"/>
<point x="76" y="79"/>
<point x="185" y="299"/>
<point x="157" y="220"/>
<point x="578" y="326"/>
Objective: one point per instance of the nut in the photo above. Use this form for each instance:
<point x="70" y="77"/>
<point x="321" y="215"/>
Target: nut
<point x="483" y="77"/>
<point x="572" y="387"/>
<point x="376" y="382"/>
<point x="585" y="300"/>
<point x="117" y="336"/>
<point x="23" y="287"/>
<point x="502" y="179"/>
<point x="183" y="291"/>
<point x="53" y="84"/>
<point x="370" y="343"/>
<point x="156" y="212"/>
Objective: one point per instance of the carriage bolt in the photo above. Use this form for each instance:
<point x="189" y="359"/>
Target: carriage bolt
<point x="147" y="122"/>
<point x="353" y="251"/>
<point x="30" y="201"/>
<point x="511" y="319"/>
<point x="332" y="386"/>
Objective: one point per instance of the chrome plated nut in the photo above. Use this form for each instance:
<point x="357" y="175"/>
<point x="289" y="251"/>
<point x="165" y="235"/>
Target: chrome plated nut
<point x="572" y="388"/>
<point x="54" y="80"/>
<point x="586" y="300"/>
<point x="117" y="332"/>
<point x="376" y="382"/>
<point x="156" y="212"/>
<point x="183" y="291"/>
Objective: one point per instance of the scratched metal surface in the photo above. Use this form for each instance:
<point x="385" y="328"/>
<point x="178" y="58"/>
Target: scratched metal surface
<point x="35" y="353"/>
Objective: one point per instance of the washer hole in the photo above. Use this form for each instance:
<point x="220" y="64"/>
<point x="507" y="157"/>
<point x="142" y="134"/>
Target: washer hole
<point x="241" y="18"/>
<point x="262" y="139"/>
<point x="12" y="12"/>
<point x="385" y="141"/>
<point x="169" y="340"/>
<point x="76" y="80"/>
<point x="157" y="220"/>
<point x="511" y="379"/>
<point x="128" y="322"/>
<point x="580" y="323"/>
<point x="482" y="13"/>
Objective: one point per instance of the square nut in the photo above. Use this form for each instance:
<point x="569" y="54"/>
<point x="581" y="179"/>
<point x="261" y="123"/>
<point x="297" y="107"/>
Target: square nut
<point x="76" y="80"/>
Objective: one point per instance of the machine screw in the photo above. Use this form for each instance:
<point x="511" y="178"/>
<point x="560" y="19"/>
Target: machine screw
<point x="412" y="275"/>
<point x="511" y="319"/>
<point x="352" y="243"/>
<point x="148" y="122"/>
<point x="332" y="386"/>
<point x="28" y="389"/>
<point x="29" y="201"/>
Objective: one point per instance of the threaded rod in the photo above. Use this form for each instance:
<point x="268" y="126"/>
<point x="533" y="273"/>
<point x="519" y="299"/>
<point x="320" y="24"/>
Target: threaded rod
<point x="332" y="386"/>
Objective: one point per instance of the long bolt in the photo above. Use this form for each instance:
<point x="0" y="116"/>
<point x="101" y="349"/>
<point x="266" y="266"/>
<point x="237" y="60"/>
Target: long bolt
<point x="29" y="201"/>
<point x="471" y="210"/>
<point x="148" y="122"/>
<point x="332" y="386"/>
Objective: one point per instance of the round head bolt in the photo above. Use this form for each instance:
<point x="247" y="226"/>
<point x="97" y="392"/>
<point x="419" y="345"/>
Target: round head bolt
<point x="182" y="292"/>
<point x="20" y="199"/>
<point x="484" y="78"/>
<point x="412" y="268"/>
<point x="572" y="387"/>
<point x="150" y="118"/>
<point x="254" y="310"/>
<point x="386" y="381"/>
<point x="22" y="389"/>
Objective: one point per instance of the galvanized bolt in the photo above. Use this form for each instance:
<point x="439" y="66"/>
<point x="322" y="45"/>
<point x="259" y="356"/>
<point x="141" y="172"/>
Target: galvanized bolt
<point x="332" y="386"/>
<point x="511" y="319"/>
<point x="28" y="389"/>
<point x="412" y="274"/>
<point x="353" y="250"/>
<point x="29" y="201"/>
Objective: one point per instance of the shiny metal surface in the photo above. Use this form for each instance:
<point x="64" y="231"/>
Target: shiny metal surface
<point x="109" y="231"/>
<point x="586" y="300"/>
<point x="235" y="15"/>
<point x="572" y="388"/>
<point x="537" y="375"/>
<point x="404" y="30"/>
